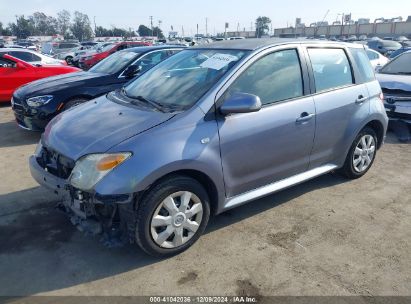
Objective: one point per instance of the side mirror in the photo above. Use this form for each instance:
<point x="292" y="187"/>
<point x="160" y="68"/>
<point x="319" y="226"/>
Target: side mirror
<point x="241" y="103"/>
<point x="132" y="71"/>
<point x="20" y="65"/>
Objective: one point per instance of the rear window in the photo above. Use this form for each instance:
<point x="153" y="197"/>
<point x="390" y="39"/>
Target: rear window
<point x="47" y="47"/>
<point x="364" y="65"/>
<point x="391" y="44"/>
<point x="331" y="68"/>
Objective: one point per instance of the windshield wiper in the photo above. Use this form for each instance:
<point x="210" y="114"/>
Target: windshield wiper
<point x="403" y="73"/>
<point x="153" y="103"/>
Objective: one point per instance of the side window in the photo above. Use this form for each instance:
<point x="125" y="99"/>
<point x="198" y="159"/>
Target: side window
<point x="274" y="77"/>
<point x="172" y="52"/>
<point x="372" y="55"/>
<point x="150" y="60"/>
<point x="364" y="65"/>
<point x="4" y="63"/>
<point x="25" y="56"/>
<point x="35" y="57"/>
<point x="331" y="68"/>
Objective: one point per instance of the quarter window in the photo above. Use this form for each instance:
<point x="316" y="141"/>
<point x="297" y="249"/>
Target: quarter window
<point x="364" y="65"/>
<point x="331" y="68"/>
<point x="273" y="78"/>
<point x="372" y="55"/>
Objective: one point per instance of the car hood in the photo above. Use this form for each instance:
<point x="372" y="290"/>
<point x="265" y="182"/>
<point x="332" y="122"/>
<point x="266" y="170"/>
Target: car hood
<point x="98" y="125"/>
<point x="395" y="82"/>
<point x="55" y="83"/>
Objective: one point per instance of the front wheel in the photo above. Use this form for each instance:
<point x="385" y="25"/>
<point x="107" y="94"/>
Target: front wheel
<point x="74" y="102"/>
<point x="361" y="155"/>
<point x="69" y="60"/>
<point x="172" y="216"/>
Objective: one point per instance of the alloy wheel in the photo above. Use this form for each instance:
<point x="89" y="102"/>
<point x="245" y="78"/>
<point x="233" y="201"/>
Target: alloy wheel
<point x="364" y="153"/>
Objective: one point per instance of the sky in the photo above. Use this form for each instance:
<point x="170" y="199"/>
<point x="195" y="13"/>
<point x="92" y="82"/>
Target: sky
<point x="185" y="14"/>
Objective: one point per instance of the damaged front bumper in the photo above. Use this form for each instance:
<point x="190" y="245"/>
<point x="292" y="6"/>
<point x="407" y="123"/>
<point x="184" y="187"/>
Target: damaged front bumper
<point x="111" y="216"/>
<point x="398" y="108"/>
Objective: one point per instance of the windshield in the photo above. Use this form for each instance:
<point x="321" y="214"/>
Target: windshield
<point x="105" y="48"/>
<point x="399" y="65"/>
<point x="114" y="63"/>
<point x="184" y="78"/>
<point x="391" y="44"/>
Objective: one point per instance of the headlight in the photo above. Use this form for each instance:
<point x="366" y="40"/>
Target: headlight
<point x="38" y="149"/>
<point x="91" y="168"/>
<point x="39" y="101"/>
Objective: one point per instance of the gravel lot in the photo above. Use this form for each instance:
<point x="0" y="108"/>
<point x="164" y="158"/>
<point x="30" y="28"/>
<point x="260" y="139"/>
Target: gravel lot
<point x="328" y="236"/>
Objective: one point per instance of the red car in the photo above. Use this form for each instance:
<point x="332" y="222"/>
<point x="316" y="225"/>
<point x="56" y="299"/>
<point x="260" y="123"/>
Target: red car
<point x="88" y="60"/>
<point x="15" y="72"/>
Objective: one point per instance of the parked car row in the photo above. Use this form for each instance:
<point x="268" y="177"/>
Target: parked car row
<point x="56" y="94"/>
<point x="146" y="144"/>
<point x="151" y="161"/>
<point x="15" y="72"/>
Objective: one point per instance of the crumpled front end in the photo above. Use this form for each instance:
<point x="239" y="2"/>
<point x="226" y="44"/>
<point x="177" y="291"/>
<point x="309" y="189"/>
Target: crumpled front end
<point x="111" y="216"/>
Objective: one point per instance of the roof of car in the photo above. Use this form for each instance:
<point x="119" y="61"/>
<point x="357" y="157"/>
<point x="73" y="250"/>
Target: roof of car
<point x="11" y="49"/>
<point x="143" y="49"/>
<point x="258" y="43"/>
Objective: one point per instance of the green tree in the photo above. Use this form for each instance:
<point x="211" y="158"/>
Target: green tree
<point x="262" y="26"/>
<point x="158" y="32"/>
<point x="103" y="32"/>
<point x="63" y="22"/>
<point x="144" y="30"/>
<point x="5" y="31"/>
<point x="81" y="27"/>
<point x="22" y="28"/>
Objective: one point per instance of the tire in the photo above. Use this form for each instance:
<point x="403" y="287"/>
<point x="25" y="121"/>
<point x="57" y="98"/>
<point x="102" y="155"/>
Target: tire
<point x="151" y="233"/>
<point x="69" y="60"/>
<point x="352" y="168"/>
<point x="74" y="102"/>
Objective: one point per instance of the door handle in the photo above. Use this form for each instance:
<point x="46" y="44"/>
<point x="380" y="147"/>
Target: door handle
<point x="304" y="117"/>
<point x="360" y="99"/>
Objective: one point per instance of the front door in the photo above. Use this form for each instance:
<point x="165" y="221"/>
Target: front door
<point x="274" y="143"/>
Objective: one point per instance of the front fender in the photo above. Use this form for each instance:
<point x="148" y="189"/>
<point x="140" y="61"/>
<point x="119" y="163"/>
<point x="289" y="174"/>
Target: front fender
<point x="178" y="144"/>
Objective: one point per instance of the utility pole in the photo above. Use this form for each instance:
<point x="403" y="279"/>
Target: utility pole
<point x="159" y="27"/>
<point x="151" y="22"/>
<point x="206" y="27"/>
<point x="95" y="26"/>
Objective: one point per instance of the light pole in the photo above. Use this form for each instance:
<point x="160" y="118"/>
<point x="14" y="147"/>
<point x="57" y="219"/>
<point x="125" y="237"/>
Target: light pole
<point x="151" y="23"/>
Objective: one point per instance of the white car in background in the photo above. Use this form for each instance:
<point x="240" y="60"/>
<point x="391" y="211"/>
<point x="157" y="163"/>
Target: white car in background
<point x="377" y="60"/>
<point x="31" y="56"/>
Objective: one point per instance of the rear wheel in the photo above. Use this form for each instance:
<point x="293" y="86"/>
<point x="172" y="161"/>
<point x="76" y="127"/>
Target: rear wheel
<point x="361" y="155"/>
<point x="172" y="216"/>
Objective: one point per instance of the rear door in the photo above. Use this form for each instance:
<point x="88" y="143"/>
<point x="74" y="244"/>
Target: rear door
<point x="274" y="143"/>
<point x="341" y="102"/>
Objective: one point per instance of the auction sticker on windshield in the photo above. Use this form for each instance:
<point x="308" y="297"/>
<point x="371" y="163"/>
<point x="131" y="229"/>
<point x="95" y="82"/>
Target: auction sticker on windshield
<point x="218" y="61"/>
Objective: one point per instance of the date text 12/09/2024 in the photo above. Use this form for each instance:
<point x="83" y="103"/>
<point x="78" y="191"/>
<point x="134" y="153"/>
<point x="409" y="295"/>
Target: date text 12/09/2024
<point x="203" y="299"/>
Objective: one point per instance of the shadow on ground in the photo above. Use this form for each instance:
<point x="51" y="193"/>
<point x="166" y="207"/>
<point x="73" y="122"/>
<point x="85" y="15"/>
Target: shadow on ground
<point x="43" y="252"/>
<point x="12" y="135"/>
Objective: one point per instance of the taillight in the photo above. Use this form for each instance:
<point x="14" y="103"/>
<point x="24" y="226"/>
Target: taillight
<point x="381" y="96"/>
